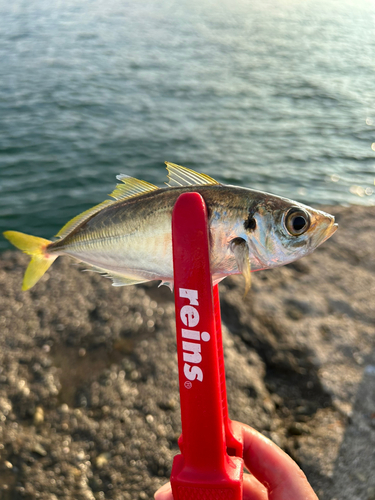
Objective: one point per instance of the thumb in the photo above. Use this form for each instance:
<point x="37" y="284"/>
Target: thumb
<point x="164" y="493"/>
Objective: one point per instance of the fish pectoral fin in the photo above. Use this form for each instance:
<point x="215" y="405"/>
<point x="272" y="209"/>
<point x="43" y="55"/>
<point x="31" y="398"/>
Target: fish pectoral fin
<point x="131" y="187"/>
<point x="240" y="250"/>
<point x="181" y="176"/>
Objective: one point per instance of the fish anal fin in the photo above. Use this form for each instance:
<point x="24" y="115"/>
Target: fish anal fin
<point x="182" y="176"/>
<point x="122" y="281"/>
<point x="131" y="187"/>
<point x="117" y="279"/>
<point x="169" y="284"/>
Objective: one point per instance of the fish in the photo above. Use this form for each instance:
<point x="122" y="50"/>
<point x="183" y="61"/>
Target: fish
<point x="129" y="238"/>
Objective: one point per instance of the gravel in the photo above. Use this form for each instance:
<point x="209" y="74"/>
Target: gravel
<point x="89" y="403"/>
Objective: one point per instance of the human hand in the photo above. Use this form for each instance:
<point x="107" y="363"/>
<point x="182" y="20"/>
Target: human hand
<point x="274" y="475"/>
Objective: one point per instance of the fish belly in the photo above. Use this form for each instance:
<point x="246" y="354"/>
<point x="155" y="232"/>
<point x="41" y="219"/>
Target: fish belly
<point x="137" y="256"/>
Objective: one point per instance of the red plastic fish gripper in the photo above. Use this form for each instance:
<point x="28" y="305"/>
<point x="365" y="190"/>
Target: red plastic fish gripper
<point x="210" y="465"/>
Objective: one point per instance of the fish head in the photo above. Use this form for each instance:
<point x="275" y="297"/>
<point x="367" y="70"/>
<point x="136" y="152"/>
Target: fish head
<point x="279" y="231"/>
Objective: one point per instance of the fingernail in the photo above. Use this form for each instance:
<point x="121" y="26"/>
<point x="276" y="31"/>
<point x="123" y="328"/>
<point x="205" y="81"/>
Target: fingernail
<point x="165" y="488"/>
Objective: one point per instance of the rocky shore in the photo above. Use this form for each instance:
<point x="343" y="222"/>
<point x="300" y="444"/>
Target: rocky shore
<point x="89" y="404"/>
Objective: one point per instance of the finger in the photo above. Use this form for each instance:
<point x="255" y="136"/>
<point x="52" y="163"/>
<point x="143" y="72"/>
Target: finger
<point x="274" y="468"/>
<point x="164" y="493"/>
<point x="253" y="489"/>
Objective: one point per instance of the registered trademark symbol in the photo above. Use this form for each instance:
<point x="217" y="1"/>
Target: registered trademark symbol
<point x="188" y="385"/>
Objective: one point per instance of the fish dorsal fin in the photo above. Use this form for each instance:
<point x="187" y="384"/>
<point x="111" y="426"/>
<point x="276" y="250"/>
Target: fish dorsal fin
<point x="76" y="221"/>
<point x="181" y="176"/>
<point x="131" y="187"/>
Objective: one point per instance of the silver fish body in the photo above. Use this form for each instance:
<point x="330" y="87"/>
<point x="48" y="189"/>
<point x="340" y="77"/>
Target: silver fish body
<point x="130" y="239"/>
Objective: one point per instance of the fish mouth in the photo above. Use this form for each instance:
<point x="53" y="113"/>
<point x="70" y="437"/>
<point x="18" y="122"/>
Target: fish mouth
<point x="331" y="229"/>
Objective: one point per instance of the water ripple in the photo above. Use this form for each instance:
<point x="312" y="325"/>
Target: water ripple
<point x="273" y="95"/>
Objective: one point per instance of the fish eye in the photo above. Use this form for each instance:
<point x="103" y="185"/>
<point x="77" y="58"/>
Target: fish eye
<point x="297" y="221"/>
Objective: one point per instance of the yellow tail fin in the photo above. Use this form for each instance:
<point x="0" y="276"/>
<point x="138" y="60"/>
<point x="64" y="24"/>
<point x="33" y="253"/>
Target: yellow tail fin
<point x="34" y="246"/>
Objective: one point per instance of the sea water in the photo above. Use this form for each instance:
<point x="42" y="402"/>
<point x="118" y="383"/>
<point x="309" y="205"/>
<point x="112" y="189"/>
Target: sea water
<point x="276" y="95"/>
